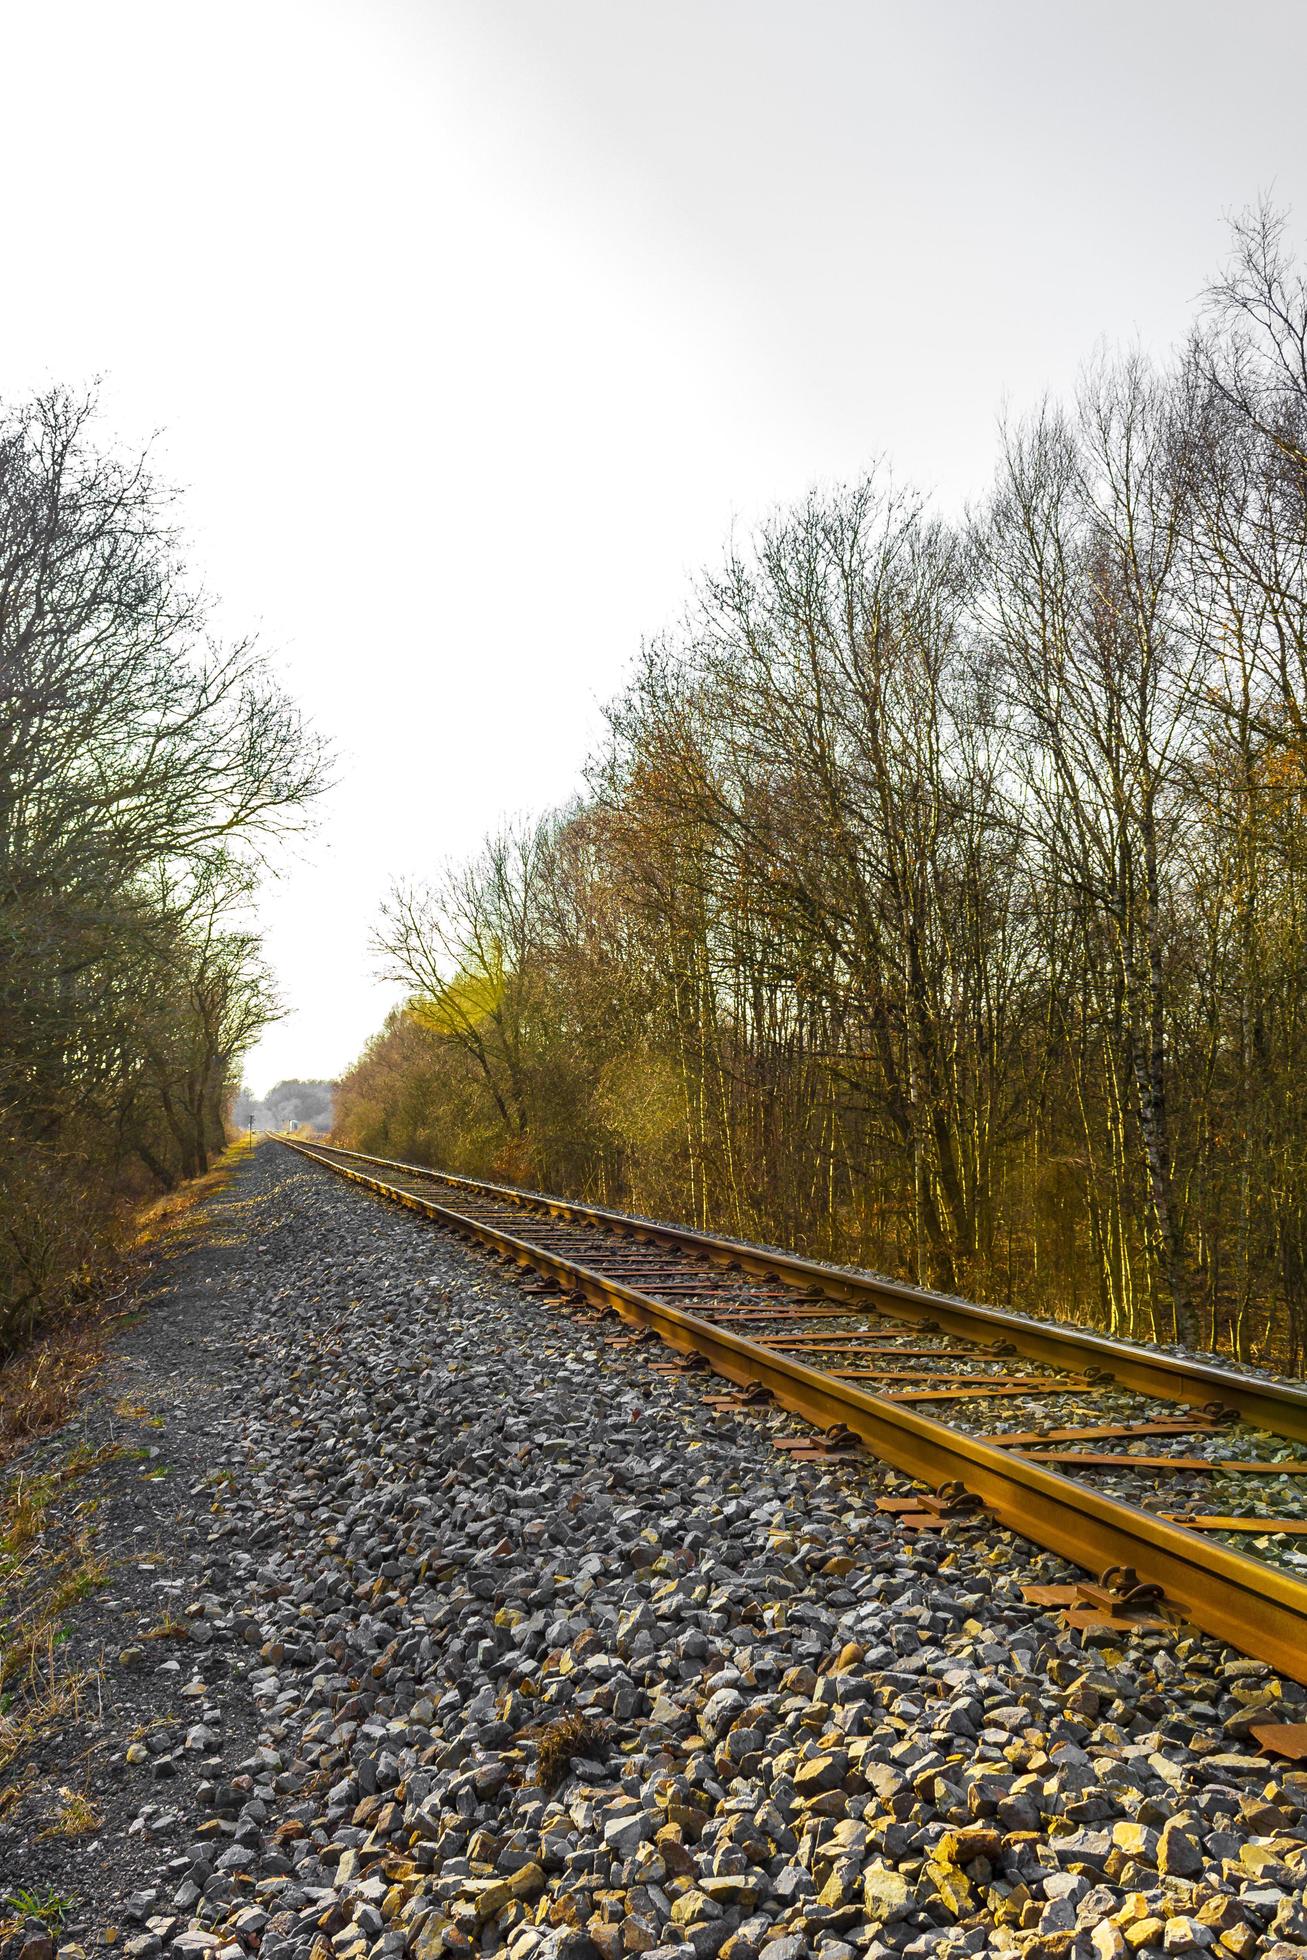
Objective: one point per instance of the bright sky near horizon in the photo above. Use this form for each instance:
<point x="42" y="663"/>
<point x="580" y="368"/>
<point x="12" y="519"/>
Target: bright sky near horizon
<point x="470" y="327"/>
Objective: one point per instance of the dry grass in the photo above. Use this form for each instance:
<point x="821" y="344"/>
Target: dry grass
<point x="27" y="1649"/>
<point x="86" y="1575"/>
<point x="560" y="1743"/>
<point x="47" y="1564"/>
<point x="39" y="1693"/>
<point x="25" y="1505"/>
<point x="78" y="1815"/>
<point x="24" y="1513"/>
<point x="166" y="1224"/>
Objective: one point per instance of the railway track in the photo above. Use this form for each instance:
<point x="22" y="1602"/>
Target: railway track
<point x="1104" y="1452"/>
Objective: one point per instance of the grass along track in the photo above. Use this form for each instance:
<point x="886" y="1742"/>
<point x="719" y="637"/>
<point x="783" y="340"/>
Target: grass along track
<point x="763" y="1319"/>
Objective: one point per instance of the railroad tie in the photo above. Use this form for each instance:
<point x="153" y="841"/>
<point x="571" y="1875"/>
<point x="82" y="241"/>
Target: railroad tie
<point x="1017" y="1439"/>
<point x="981" y="1390"/>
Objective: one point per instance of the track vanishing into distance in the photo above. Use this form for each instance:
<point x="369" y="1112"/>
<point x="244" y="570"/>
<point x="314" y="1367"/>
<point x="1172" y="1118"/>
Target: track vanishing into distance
<point x="1153" y="1472"/>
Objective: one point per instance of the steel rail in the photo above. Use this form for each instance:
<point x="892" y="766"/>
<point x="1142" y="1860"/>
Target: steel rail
<point x="1279" y="1408"/>
<point x="1252" y="1606"/>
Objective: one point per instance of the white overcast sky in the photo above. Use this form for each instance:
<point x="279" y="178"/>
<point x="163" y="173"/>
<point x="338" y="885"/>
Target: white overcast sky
<point x="470" y="326"/>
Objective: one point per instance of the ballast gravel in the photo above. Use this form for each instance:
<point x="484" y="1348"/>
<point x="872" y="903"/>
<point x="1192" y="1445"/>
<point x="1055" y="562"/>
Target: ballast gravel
<point x="1199" y="1481"/>
<point x="543" y="1656"/>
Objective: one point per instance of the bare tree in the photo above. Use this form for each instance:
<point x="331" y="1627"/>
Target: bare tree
<point x="144" y="772"/>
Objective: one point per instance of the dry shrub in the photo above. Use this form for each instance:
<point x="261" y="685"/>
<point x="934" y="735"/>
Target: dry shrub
<point x="78" y="1815"/>
<point x="559" y="1744"/>
<point x="80" y="1252"/>
<point x="57" y="1235"/>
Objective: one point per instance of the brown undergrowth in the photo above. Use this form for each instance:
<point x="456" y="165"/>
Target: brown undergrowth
<point x="41" y="1384"/>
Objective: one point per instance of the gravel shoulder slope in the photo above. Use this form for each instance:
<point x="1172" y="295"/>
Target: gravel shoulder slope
<point x="452" y="1626"/>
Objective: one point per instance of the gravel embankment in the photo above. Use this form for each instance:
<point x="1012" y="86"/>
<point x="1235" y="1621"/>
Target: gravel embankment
<point x="447" y="1534"/>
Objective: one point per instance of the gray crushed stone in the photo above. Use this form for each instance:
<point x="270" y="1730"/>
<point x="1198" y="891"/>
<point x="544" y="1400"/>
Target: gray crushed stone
<point x="459" y="1534"/>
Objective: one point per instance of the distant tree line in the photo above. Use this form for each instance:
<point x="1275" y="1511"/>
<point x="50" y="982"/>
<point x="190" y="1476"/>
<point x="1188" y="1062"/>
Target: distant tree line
<point x="308" y="1104"/>
<point x="938" y="900"/>
<point x="143" y="769"/>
